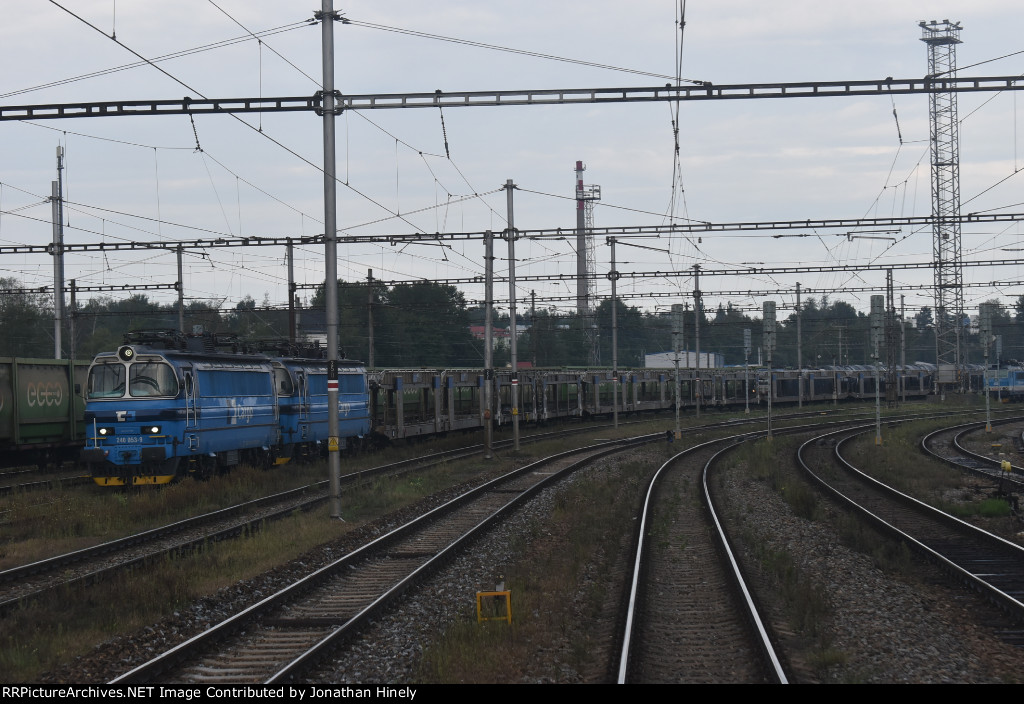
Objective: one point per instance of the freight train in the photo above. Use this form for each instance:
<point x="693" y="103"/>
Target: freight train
<point x="164" y="406"/>
<point x="41" y="410"/>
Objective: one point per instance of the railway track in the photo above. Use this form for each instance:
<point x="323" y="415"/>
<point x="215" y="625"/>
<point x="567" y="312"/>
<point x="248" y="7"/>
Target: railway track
<point x="727" y="423"/>
<point x="287" y="632"/>
<point x="985" y="562"/>
<point x="691" y="618"/>
<point x="14" y="481"/>
<point x="950" y="445"/>
<point x="89" y="565"/>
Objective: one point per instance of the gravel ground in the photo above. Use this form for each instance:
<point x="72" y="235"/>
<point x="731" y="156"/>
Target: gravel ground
<point x="879" y="628"/>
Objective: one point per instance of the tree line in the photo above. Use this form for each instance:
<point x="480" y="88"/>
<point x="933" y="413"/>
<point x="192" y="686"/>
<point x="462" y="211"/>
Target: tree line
<point x="425" y="324"/>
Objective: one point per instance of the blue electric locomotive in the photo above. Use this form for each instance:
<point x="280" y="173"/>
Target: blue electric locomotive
<point x="302" y="397"/>
<point x="155" y="414"/>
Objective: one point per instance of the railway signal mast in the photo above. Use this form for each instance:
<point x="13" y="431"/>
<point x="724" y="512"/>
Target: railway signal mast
<point x="769" y="347"/>
<point x="746" y="369"/>
<point x="942" y="38"/>
<point x="985" y="329"/>
<point x="877" y="337"/>
<point x="893" y="375"/>
<point x="677" y="345"/>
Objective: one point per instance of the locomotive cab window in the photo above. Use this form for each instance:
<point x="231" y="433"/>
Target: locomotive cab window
<point x="152" y="379"/>
<point x="106" y="381"/>
<point x="283" y="382"/>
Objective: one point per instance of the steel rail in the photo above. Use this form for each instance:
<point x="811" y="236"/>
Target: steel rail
<point x="63" y="560"/>
<point x="641" y="546"/>
<point x="636" y="586"/>
<point x="308" y="657"/>
<point x="764" y="640"/>
<point x="963" y="430"/>
<point x="168" y="659"/>
<point x="1000" y="597"/>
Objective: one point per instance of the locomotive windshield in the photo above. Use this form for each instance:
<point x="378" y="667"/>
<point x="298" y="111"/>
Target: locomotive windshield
<point x="107" y="380"/>
<point x="152" y="379"/>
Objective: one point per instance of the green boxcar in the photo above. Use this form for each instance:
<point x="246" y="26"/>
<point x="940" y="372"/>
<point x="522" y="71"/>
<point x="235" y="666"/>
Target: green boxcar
<point x="41" y="410"/>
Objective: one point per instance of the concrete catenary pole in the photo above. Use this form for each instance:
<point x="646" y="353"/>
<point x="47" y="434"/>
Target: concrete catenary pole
<point x="677" y="341"/>
<point x="799" y="353"/>
<point x="613" y="275"/>
<point x="697" y="308"/>
<point x="181" y="294"/>
<point x="488" y="344"/>
<point x="57" y="199"/>
<point x="509" y="187"/>
<point x="369" y="317"/>
<point x="290" y="256"/>
<point x="73" y="306"/>
<point x="327" y="17"/>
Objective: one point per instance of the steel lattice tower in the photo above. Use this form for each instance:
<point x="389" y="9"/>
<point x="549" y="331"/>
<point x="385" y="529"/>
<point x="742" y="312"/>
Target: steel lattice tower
<point x="942" y="38"/>
<point x="586" y="263"/>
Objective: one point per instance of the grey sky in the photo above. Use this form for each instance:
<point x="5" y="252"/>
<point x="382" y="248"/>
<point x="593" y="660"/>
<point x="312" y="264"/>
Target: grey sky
<point x="741" y="160"/>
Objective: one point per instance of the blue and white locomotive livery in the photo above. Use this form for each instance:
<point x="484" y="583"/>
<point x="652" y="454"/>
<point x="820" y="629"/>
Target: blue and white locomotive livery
<point x="156" y="414"/>
<point x="301" y="386"/>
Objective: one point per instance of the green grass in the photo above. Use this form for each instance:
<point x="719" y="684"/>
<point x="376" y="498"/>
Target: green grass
<point x="42" y="634"/>
<point x="45" y="633"/>
<point x="557" y="593"/>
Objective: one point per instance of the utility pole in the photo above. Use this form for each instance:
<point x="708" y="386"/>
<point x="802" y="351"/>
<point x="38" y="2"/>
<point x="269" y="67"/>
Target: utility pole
<point x="985" y="328"/>
<point x="697" y="308"/>
<point x="369" y="315"/>
<point x="290" y="256"/>
<point x="799" y="353"/>
<point x="488" y="344"/>
<point x="677" y="336"/>
<point x="768" y="323"/>
<point x="181" y="295"/>
<point x="509" y="187"/>
<point x="327" y="17"/>
<point x="71" y="322"/>
<point x="903" y="348"/>
<point x="57" y="201"/>
<point x="877" y="336"/>
<point x="746" y="370"/>
<point x="613" y="276"/>
<point x="533" y="332"/>
<point x="892" y="374"/>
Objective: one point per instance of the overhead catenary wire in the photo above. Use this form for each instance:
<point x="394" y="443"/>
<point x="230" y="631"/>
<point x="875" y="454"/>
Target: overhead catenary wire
<point x="521" y="52"/>
<point x="439" y="182"/>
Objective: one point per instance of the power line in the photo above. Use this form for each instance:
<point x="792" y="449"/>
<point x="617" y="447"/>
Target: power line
<point x="510" y="50"/>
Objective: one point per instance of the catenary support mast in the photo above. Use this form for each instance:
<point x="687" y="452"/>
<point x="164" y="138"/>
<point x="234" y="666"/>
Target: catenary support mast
<point x="328" y="16"/>
<point x="942" y="38"/>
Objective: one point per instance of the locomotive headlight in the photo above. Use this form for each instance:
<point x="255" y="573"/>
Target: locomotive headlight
<point x="152" y="429"/>
<point x="104" y="432"/>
